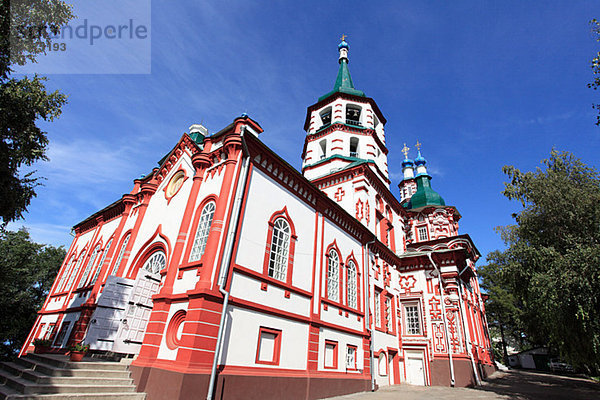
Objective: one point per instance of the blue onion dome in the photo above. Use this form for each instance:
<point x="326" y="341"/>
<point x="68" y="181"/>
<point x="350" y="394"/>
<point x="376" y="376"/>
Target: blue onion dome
<point x="420" y="160"/>
<point x="343" y="45"/>
<point x="407" y="163"/>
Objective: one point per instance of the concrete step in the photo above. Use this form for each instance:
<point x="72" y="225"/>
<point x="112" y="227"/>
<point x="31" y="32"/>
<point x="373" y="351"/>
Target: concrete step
<point x="12" y="395"/>
<point x="38" y="377"/>
<point x="63" y="362"/>
<point x="25" y="386"/>
<point x="51" y="370"/>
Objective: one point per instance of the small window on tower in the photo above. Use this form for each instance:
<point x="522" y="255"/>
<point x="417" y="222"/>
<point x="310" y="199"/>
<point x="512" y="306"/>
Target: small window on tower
<point x="325" y="117"/>
<point x="353" y="115"/>
<point x="323" y="144"/>
<point x="353" y="147"/>
<point x="375" y="121"/>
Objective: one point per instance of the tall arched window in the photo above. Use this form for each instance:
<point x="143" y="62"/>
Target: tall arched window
<point x="280" y="243"/>
<point x="333" y="275"/>
<point x="201" y="237"/>
<point x="120" y="256"/>
<point x="99" y="267"/>
<point x="75" y="270"/>
<point x="65" y="275"/>
<point x="351" y="285"/>
<point x="88" y="267"/>
<point x="156" y="262"/>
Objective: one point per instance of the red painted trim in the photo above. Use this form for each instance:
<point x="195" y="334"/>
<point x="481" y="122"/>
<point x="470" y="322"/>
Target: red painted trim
<point x="120" y="244"/>
<point x="147" y="249"/>
<point x="333" y="246"/>
<point x="333" y="344"/>
<point x="283" y="213"/>
<point x="192" y="234"/>
<point x="185" y="178"/>
<point x="337" y="148"/>
<point x="358" y="286"/>
<point x="267" y="279"/>
<point x="276" y="346"/>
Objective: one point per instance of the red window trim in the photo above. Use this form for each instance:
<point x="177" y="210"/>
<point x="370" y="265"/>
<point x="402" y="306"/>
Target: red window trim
<point x="113" y="259"/>
<point x="351" y="346"/>
<point x="335" y="354"/>
<point x="379" y="294"/>
<point x="338" y="301"/>
<point x="283" y="213"/>
<point x="390" y="296"/>
<point x="358" y="280"/>
<point x="192" y="234"/>
<point x="276" y="346"/>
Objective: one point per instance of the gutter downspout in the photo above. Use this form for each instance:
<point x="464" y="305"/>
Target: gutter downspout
<point x="468" y="341"/>
<point x="452" y="381"/>
<point x="367" y="312"/>
<point x="226" y="262"/>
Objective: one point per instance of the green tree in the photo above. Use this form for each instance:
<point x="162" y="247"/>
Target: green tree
<point x="28" y="270"/>
<point x="26" y="28"/>
<point x="551" y="267"/>
<point x="595" y="25"/>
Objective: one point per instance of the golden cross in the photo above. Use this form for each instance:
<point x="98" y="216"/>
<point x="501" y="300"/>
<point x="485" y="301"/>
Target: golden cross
<point x="343" y="37"/>
<point x="418" y="146"/>
<point x="405" y="151"/>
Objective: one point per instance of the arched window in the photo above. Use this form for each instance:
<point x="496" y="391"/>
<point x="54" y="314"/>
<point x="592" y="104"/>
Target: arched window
<point x="280" y="245"/>
<point x="120" y="256"/>
<point x="325" y="117"/>
<point x="353" y="114"/>
<point x="333" y="275"/>
<point x="353" y="147"/>
<point x="88" y="267"/>
<point x="351" y="285"/>
<point x="156" y="262"/>
<point x="75" y="270"/>
<point x="66" y="273"/>
<point x="206" y="217"/>
<point x="99" y="267"/>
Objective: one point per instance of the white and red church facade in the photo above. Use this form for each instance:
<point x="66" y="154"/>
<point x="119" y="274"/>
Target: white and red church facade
<point x="226" y="272"/>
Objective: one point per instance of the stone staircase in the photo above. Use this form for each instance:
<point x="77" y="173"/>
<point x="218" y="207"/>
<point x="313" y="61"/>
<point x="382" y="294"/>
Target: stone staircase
<point x="54" y="377"/>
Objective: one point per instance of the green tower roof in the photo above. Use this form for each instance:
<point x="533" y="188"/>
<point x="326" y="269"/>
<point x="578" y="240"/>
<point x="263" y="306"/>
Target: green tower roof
<point x="425" y="195"/>
<point x="343" y="82"/>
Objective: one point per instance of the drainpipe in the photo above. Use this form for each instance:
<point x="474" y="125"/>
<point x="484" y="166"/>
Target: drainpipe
<point x="444" y="319"/>
<point x="226" y="262"/>
<point x="468" y="342"/>
<point x="367" y="314"/>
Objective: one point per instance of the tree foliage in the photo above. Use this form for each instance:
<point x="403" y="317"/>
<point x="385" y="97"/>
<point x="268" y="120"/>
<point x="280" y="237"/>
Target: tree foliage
<point x="28" y="270"/>
<point x="595" y="84"/>
<point x="26" y="27"/>
<point x="546" y="284"/>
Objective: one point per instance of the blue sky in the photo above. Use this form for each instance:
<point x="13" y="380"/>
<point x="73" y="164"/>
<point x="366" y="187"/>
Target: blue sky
<point x="480" y="84"/>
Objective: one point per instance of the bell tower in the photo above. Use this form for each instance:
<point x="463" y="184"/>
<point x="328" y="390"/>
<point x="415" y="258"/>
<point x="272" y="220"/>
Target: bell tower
<point x="344" y="128"/>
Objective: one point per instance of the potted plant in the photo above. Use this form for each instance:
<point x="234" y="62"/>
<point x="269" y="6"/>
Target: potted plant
<point x="78" y="350"/>
<point x="41" y="345"/>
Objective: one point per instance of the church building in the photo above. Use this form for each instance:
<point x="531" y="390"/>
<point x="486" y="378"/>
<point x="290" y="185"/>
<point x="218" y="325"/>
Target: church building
<point x="226" y="273"/>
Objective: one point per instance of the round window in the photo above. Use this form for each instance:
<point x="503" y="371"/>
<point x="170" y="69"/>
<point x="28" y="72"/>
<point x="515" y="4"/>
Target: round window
<point x="175" y="183"/>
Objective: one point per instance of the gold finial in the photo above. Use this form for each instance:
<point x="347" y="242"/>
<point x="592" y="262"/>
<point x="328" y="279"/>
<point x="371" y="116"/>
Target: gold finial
<point x="405" y="151"/>
<point x="418" y="146"/>
<point x="343" y="37"/>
